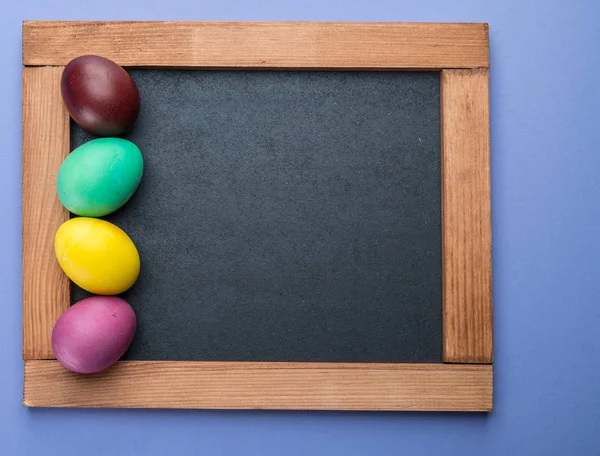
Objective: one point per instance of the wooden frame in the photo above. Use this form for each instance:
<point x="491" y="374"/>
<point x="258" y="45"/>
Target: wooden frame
<point x="464" y="382"/>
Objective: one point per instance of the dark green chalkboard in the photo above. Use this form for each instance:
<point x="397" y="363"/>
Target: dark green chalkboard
<point x="286" y="216"/>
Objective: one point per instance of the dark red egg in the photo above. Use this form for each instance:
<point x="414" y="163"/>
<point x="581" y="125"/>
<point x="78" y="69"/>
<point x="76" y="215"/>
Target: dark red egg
<point x="100" y="95"/>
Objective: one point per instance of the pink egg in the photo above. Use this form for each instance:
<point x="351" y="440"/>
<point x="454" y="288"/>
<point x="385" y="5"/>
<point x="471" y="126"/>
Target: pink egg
<point x="93" y="333"/>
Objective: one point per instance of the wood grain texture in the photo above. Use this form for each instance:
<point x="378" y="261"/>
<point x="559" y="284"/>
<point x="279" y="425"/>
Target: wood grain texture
<point x="302" y="386"/>
<point x="283" y="45"/>
<point x="45" y="145"/>
<point x="466" y="217"/>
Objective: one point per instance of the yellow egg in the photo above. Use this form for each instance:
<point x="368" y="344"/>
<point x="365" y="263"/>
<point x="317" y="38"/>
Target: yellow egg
<point x="97" y="255"/>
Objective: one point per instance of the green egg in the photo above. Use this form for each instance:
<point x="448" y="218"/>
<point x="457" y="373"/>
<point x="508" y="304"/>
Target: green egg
<point x="99" y="176"/>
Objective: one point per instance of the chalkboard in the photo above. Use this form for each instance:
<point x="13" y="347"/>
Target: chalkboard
<point x="286" y="216"/>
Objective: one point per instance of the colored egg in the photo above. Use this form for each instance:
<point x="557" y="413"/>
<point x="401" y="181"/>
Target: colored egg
<point x="99" y="176"/>
<point x="97" y="255"/>
<point x="100" y="95"/>
<point x="93" y="334"/>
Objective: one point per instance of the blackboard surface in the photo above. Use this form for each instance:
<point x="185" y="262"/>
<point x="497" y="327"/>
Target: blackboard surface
<point x="286" y="216"/>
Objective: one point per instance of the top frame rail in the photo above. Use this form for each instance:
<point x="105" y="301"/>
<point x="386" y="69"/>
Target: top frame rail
<point x="261" y="45"/>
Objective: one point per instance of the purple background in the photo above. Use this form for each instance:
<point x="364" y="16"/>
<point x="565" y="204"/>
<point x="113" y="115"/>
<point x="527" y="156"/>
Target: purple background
<point x="545" y="113"/>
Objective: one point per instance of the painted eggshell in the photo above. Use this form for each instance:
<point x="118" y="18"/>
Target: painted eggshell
<point x="97" y="255"/>
<point x="93" y="333"/>
<point x="100" y="95"/>
<point x="99" y="176"/>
